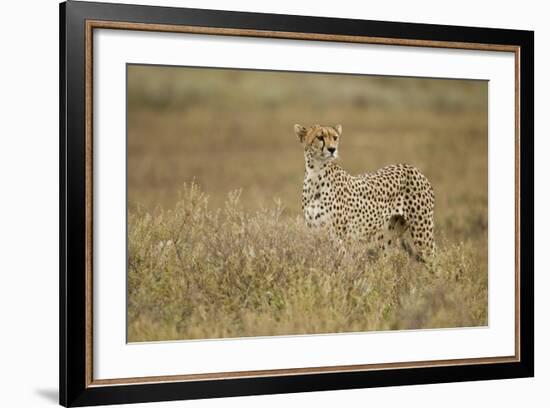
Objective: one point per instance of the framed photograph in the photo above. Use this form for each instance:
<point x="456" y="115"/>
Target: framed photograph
<point x="256" y="203"/>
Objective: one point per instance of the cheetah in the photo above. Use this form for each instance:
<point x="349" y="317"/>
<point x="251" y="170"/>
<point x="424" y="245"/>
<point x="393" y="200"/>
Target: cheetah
<point x="392" y="205"/>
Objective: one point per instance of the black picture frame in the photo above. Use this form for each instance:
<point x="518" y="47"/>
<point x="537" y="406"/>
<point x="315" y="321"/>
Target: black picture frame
<point x="74" y="299"/>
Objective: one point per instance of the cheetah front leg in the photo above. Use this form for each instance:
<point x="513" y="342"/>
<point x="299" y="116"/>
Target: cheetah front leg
<point x="335" y="236"/>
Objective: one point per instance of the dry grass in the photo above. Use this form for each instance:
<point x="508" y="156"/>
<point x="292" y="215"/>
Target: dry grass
<point x="201" y="273"/>
<point x="249" y="268"/>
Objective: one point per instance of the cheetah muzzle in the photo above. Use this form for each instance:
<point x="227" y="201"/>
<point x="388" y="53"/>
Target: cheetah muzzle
<point x="392" y="205"/>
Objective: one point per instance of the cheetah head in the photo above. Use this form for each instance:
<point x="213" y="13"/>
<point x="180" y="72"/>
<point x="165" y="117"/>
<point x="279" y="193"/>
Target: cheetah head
<point x="321" y="142"/>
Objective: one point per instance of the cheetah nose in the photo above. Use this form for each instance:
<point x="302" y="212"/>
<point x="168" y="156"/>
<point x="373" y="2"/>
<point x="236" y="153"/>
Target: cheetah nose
<point x="331" y="149"/>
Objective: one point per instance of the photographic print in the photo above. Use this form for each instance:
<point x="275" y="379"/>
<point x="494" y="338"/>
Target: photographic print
<point x="259" y="203"/>
<point x="266" y="203"/>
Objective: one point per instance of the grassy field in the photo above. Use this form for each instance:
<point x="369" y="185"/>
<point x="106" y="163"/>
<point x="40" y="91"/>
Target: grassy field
<point x="217" y="247"/>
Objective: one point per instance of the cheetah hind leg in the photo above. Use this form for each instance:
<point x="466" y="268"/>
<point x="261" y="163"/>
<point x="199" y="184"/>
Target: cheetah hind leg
<point x="397" y="235"/>
<point x="422" y="249"/>
<point x="389" y="238"/>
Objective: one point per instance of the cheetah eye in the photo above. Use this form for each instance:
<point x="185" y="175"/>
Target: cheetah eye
<point x="335" y="138"/>
<point x="320" y="138"/>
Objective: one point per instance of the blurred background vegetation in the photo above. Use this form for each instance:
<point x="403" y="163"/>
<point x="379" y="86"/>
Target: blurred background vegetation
<point x="227" y="130"/>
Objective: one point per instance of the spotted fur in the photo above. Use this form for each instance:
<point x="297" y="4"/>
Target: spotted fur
<point x="394" y="205"/>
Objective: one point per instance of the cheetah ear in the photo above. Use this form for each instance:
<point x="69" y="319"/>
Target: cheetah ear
<point x="338" y="129"/>
<point x="300" y="132"/>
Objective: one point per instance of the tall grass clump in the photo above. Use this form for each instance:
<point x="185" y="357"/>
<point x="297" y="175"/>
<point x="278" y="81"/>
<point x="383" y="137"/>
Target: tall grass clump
<point x="196" y="273"/>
